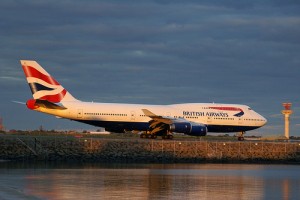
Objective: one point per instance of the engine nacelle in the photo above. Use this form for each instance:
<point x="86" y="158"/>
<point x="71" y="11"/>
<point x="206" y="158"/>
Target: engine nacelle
<point x="194" y="129"/>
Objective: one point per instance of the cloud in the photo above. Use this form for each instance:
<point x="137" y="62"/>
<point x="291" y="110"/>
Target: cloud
<point x="157" y="51"/>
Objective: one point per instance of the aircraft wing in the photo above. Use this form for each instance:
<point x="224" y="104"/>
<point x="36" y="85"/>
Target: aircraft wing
<point x="159" y="123"/>
<point x="158" y="118"/>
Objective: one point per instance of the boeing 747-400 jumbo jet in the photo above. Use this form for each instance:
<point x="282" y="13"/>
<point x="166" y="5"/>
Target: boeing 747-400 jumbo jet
<point x="194" y="119"/>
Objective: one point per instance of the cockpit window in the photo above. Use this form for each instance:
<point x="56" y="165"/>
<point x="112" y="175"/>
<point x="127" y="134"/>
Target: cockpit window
<point x="249" y="109"/>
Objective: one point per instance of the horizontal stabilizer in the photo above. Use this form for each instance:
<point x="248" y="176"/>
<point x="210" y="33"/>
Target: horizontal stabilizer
<point x="19" y="102"/>
<point x="49" y="105"/>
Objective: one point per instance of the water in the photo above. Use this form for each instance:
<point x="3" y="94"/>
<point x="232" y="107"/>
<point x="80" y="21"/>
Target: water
<point x="149" y="181"/>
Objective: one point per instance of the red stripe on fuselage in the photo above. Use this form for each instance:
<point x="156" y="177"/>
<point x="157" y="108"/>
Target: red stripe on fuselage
<point x="54" y="98"/>
<point x="32" y="72"/>
<point x="227" y="108"/>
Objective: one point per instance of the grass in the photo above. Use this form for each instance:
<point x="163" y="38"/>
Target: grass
<point x="74" y="135"/>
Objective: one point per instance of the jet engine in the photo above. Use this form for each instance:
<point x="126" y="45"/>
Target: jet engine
<point x="194" y="129"/>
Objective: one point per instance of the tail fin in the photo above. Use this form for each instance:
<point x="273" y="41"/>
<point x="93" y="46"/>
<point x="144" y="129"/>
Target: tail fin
<point x="43" y="86"/>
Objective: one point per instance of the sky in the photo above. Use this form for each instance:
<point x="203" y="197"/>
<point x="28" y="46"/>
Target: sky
<point x="154" y="52"/>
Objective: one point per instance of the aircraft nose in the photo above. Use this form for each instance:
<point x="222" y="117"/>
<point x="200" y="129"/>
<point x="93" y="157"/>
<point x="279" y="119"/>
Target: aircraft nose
<point x="263" y="120"/>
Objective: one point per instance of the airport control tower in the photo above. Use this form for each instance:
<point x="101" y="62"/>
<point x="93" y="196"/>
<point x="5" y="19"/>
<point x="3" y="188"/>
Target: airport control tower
<point x="287" y="112"/>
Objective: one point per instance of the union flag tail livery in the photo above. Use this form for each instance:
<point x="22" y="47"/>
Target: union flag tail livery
<point x="194" y="119"/>
<point x="43" y="86"/>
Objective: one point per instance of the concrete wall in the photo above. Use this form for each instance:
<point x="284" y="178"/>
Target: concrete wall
<point x="139" y="150"/>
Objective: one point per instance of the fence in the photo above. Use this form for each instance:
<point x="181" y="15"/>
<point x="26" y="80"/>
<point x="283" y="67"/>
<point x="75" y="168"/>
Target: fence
<point x="145" y="150"/>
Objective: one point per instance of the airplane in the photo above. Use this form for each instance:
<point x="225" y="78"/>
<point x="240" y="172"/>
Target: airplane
<point x="195" y="119"/>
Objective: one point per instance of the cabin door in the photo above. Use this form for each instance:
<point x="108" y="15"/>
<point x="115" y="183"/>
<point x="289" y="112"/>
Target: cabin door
<point x="132" y="116"/>
<point x="79" y="113"/>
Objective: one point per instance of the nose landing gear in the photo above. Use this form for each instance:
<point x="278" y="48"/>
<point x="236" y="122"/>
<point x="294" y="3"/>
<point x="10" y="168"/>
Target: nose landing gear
<point x="241" y="136"/>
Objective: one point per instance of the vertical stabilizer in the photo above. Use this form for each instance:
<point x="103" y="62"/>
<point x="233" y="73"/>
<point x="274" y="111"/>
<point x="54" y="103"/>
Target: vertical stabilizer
<point x="43" y="86"/>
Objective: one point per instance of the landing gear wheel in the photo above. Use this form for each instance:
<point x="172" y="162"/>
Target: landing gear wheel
<point x="148" y="136"/>
<point x="153" y="136"/>
<point x="170" y="137"/>
<point x="167" y="137"/>
<point x="241" y="138"/>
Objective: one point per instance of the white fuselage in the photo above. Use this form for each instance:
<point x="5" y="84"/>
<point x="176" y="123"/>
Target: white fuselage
<point x="217" y="117"/>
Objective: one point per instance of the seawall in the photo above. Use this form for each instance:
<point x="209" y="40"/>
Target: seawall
<point x="27" y="148"/>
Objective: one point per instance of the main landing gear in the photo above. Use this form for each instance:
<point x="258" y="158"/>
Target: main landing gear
<point x="154" y="136"/>
<point x="241" y="136"/>
<point x="148" y="136"/>
<point x="167" y="137"/>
